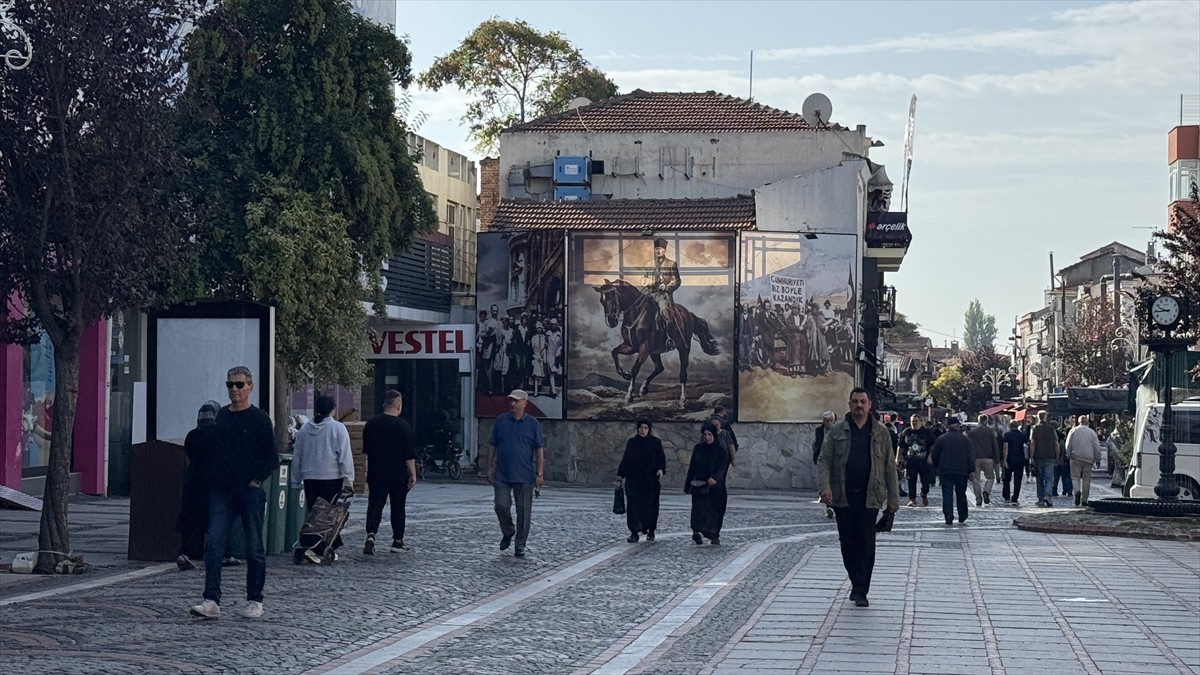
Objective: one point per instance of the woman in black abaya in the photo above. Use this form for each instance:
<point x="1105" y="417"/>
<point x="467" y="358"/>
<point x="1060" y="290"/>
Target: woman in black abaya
<point x="641" y="467"/>
<point x="706" y="484"/>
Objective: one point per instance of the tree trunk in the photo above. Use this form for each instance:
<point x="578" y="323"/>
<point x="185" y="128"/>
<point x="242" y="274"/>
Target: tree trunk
<point x="281" y="408"/>
<point x="54" y="538"/>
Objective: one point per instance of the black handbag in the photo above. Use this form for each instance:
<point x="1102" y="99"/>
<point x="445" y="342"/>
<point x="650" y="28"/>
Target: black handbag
<point x="619" y="500"/>
<point x="699" y="488"/>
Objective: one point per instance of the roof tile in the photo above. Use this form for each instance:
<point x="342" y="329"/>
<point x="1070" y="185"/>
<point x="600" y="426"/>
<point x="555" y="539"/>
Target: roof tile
<point x="732" y="213"/>
<point x="668" y="112"/>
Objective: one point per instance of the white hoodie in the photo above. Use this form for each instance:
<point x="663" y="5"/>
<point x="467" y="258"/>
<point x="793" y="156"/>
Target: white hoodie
<point x="322" y="452"/>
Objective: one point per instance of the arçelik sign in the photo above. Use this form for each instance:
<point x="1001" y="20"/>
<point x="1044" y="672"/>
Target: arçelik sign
<point x="437" y="341"/>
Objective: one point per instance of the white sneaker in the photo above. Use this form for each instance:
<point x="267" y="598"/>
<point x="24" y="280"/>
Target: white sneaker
<point x="206" y="610"/>
<point x="252" y="610"/>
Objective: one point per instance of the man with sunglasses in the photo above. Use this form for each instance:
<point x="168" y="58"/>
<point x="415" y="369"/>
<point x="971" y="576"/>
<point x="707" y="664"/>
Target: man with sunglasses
<point x="242" y="456"/>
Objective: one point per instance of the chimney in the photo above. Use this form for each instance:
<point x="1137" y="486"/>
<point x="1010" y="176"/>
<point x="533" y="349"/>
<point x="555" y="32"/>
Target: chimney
<point x="954" y="348"/>
<point x="489" y="191"/>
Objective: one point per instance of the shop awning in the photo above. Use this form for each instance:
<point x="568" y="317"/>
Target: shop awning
<point x="998" y="409"/>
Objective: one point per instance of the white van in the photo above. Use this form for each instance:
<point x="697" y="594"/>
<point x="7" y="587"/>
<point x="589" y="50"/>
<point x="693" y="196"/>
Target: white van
<point x="1144" y="471"/>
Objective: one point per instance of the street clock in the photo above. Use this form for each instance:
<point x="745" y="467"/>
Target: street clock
<point x="1165" y="311"/>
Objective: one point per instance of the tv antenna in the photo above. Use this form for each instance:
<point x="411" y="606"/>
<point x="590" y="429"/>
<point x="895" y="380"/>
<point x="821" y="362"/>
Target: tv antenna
<point x="817" y="110"/>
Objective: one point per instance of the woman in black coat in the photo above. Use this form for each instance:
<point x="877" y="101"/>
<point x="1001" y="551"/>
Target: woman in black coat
<point x="641" y="466"/>
<point x="193" y="507"/>
<point x="706" y="484"/>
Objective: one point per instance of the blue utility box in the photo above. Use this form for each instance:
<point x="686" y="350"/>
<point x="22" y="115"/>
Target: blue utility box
<point x="572" y="193"/>
<point x="572" y="170"/>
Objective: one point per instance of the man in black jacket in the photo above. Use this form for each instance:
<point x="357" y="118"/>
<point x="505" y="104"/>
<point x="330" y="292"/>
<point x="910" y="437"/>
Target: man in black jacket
<point x="240" y="459"/>
<point x="952" y="456"/>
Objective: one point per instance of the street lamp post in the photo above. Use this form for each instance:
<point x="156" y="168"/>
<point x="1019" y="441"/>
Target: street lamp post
<point x="13" y="58"/>
<point x="994" y="377"/>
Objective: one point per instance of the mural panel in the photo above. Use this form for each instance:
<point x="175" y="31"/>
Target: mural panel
<point x="651" y="324"/>
<point x="519" y="336"/>
<point x="797" y="319"/>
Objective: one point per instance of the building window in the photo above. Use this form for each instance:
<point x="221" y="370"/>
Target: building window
<point x="454" y="165"/>
<point x="451" y="213"/>
<point x="1183" y="172"/>
<point x="432" y="151"/>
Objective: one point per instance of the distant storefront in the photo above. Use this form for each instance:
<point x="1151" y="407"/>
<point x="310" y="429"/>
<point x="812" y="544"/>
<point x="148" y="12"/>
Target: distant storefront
<point x="431" y="365"/>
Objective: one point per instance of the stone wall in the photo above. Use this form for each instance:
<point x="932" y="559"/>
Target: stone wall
<point x="771" y="456"/>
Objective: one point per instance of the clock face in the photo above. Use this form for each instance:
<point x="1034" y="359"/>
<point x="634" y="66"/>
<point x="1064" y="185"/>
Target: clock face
<point x="1164" y="310"/>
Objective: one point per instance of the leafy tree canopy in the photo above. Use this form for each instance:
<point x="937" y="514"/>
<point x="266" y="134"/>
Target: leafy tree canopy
<point x="979" y="329"/>
<point x="962" y="386"/>
<point x="1182" y="267"/>
<point x="90" y="208"/>
<point x="514" y="73"/>
<point x="1086" y="350"/>
<point x="900" y="329"/>
<point x="302" y="177"/>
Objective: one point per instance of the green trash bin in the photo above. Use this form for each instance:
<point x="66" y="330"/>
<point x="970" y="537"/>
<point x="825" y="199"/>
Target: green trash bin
<point x="275" y="525"/>
<point x="297" y="511"/>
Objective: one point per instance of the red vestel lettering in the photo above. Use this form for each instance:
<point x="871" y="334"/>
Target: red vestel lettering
<point x="393" y="342"/>
<point x="458" y="342"/>
<point x="411" y="339"/>
<point x="444" y="346"/>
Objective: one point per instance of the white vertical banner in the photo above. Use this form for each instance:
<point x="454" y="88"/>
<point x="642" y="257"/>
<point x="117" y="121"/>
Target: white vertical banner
<point x="909" y="130"/>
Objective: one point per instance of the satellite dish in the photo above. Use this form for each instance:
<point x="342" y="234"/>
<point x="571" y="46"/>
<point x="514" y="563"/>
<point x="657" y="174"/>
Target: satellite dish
<point x="817" y="110"/>
<point x="578" y="102"/>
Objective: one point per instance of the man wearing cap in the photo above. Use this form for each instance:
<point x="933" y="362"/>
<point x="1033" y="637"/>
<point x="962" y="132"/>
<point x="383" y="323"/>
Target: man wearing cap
<point x="515" y="469"/>
<point x="663" y="285"/>
<point x="951" y="455"/>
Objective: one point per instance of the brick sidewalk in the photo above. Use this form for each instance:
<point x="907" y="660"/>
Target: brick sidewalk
<point x="984" y="598"/>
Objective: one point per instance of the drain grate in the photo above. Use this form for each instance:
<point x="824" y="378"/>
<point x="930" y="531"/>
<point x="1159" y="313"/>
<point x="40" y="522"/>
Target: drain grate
<point x="945" y="544"/>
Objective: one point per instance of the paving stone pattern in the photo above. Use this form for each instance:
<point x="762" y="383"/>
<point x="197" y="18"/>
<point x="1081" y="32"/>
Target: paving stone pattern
<point x="980" y="598"/>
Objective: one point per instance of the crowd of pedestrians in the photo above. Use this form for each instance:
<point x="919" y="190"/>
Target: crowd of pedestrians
<point x="859" y="461"/>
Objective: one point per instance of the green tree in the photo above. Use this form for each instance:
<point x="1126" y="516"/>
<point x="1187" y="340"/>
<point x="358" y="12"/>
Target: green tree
<point x="89" y="209"/>
<point x="302" y="177"/>
<point x="514" y="73"/>
<point x="1182" y="268"/>
<point x="900" y="329"/>
<point x="979" y="329"/>
<point x="961" y="386"/>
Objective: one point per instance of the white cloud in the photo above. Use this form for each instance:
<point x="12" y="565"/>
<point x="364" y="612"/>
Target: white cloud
<point x="1099" y="30"/>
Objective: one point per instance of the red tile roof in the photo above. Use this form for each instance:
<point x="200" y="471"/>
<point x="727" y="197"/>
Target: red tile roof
<point x="668" y="112"/>
<point x="732" y="213"/>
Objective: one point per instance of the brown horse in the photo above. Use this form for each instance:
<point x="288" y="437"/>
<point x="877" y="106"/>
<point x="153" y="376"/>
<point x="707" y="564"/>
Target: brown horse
<point x="644" y="333"/>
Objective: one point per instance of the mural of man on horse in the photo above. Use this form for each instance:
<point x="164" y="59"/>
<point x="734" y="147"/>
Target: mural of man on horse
<point x="663" y="282"/>
<point x="644" y="332"/>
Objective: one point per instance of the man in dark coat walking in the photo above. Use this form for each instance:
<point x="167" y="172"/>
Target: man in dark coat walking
<point x="952" y="456"/>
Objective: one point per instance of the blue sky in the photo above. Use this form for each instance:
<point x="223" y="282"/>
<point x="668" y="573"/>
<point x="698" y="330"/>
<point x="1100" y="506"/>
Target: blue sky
<point x="1041" y="126"/>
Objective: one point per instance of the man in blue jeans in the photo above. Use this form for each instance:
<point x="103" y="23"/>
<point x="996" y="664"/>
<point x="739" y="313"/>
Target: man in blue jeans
<point x="240" y="458"/>
<point x="1043" y="450"/>
<point x="515" y="469"/>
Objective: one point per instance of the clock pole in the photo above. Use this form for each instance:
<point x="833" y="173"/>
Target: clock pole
<point x="1167" y="489"/>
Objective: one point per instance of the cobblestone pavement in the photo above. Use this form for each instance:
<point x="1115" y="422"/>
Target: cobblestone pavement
<point x="979" y="598"/>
